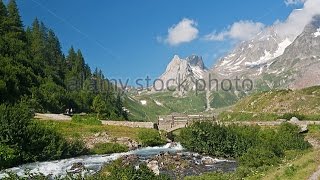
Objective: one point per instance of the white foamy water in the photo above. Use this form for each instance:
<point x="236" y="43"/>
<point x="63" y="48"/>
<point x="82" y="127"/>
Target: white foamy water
<point x="93" y="162"/>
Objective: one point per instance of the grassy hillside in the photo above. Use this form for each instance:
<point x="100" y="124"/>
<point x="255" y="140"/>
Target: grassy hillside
<point x="222" y="99"/>
<point x="163" y="103"/>
<point x="275" y="104"/>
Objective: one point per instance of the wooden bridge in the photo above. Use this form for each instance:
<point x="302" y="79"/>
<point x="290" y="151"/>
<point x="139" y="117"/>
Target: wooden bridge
<point x="173" y="122"/>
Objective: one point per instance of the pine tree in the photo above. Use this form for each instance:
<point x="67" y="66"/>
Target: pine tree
<point x="55" y="57"/>
<point x="16" y="71"/>
<point x="3" y="17"/>
<point x="15" y="31"/>
<point x="14" y="17"/>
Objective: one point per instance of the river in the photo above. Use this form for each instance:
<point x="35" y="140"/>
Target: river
<point x="93" y="163"/>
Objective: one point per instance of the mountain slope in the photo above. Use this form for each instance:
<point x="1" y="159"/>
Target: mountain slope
<point x="190" y="69"/>
<point x="250" y="57"/>
<point x="274" y="61"/>
<point x="304" y="102"/>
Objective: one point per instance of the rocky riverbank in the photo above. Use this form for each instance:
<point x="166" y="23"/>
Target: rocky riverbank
<point x="180" y="164"/>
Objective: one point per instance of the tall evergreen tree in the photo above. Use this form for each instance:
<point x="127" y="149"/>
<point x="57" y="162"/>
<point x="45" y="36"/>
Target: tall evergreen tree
<point x="16" y="72"/>
<point x="3" y="17"/>
<point x="14" y="17"/>
<point x="15" y="29"/>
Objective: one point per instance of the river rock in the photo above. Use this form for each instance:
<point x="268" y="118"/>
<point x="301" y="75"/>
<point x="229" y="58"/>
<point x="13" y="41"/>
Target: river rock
<point x="153" y="165"/>
<point x="173" y="144"/>
<point x="77" y="167"/>
<point x="303" y="128"/>
<point x="294" y="119"/>
<point x="208" y="160"/>
<point x="131" y="144"/>
<point x="130" y="159"/>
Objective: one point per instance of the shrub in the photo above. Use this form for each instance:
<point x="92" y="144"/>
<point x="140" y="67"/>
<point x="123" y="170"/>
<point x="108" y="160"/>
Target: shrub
<point x="118" y="170"/>
<point x="150" y="137"/>
<point x="253" y="146"/>
<point x="289" y="138"/>
<point x="23" y="140"/>
<point x="257" y="157"/>
<point x="108" y="148"/>
<point x="288" y="116"/>
<point x="218" y="140"/>
<point x="89" y="120"/>
<point x="8" y="156"/>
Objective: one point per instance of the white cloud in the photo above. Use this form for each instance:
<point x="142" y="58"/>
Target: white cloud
<point x="298" y="19"/>
<point x="183" y="32"/>
<point x="291" y="27"/>
<point x="242" y="30"/>
<point x="294" y="2"/>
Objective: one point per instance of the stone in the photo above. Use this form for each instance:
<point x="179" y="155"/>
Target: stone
<point x="303" y="129"/>
<point x="172" y="145"/>
<point x="294" y="119"/>
<point x="153" y="166"/>
<point x="208" y="160"/>
<point x="77" y="167"/>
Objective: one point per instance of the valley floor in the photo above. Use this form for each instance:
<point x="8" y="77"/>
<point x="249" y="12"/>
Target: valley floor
<point x="296" y="165"/>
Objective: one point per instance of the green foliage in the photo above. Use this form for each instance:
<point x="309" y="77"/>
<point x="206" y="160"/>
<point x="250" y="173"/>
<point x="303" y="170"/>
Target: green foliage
<point x="254" y="147"/>
<point x="33" y="67"/>
<point x="245" y="116"/>
<point x="289" y="137"/>
<point x="8" y="156"/>
<point x="288" y="116"/>
<point x="108" y="148"/>
<point x="150" y="137"/>
<point x="257" y="157"/>
<point x="118" y="170"/>
<point x="89" y="120"/>
<point x="218" y="140"/>
<point x="212" y="176"/>
<point x="22" y="140"/>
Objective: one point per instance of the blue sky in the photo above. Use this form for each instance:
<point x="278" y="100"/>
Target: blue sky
<point x="122" y="37"/>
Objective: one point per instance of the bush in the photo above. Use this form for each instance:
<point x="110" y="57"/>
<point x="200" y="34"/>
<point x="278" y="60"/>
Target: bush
<point x="150" y="137"/>
<point x="218" y="140"/>
<point x="8" y="156"/>
<point x="108" y="148"/>
<point x="23" y="140"/>
<point x="253" y="146"/>
<point x="257" y="157"/>
<point x="289" y="138"/>
<point x="288" y="116"/>
<point x="118" y="170"/>
<point x="88" y="120"/>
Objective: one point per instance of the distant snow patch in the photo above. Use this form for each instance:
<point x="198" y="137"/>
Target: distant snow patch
<point x="198" y="72"/>
<point x="268" y="56"/>
<point x="316" y="34"/>
<point x="158" y="103"/>
<point x="143" y="102"/>
<point x="281" y="47"/>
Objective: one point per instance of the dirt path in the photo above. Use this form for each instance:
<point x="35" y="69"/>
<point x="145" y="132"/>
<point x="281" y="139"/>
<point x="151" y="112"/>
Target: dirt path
<point x="316" y="145"/>
<point x="56" y="117"/>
